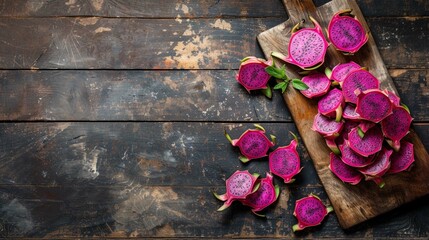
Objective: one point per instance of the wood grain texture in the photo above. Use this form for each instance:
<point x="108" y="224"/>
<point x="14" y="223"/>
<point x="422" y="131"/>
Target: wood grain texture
<point x="353" y="204"/>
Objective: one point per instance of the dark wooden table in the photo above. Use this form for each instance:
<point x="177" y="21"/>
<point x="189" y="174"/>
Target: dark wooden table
<point x="112" y="117"/>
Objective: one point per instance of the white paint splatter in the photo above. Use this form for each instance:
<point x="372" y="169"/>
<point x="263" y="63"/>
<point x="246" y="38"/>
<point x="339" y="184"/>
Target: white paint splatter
<point x="168" y="156"/>
<point x="221" y="24"/>
<point x="102" y="29"/>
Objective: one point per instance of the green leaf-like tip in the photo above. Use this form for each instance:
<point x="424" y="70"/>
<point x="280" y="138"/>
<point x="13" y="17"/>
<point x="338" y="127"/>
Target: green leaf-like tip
<point x="259" y="126"/>
<point x="277" y="189"/>
<point x="328" y="72"/>
<point x="245" y="59"/>
<point x="267" y="92"/>
<point x="256" y="187"/>
<point x="273" y="139"/>
<point x="294" y="137"/>
<point x="299" y="85"/>
<point x="227" y="136"/>
<point x="329" y="209"/>
<point x="243" y="159"/>
<point x="406" y="107"/>
<point x="255" y="175"/>
<point x="258" y="214"/>
<point x="360" y="132"/>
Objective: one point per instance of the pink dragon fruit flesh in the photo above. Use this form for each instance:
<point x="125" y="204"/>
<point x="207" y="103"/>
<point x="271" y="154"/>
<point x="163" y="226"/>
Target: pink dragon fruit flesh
<point x="343" y="171"/>
<point x="331" y="105"/>
<point x="373" y="105"/>
<point x="285" y="161"/>
<point x="344" y="135"/>
<point x="238" y="186"/>
<point x="364" y="126"/>
<point x="309" y="211"/>
<point x="318" y="85"/>
<point x="266" y="195"/>
<point x="252" y="75"/>
<point x="339" y="72"/>
<point x="307" y="47"/>
<point x="370" y="144"/>
<point x="402" y="160"/>
<point x="393" y="97"/>
<point x="346" y="33"/>
<point x="329" y="128"/>
<point x="378" y="168"/>
<point x="353" y="159"/>
<point x="253" y="143"/>
<point x="349" y="112"/>
<point x="358" y="80"/>
<point x="396" y="126"/>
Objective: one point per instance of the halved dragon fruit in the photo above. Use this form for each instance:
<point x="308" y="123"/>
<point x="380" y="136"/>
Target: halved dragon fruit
<point x="346" y="33"/>
<point x="349" y="112"/>
<point x="360" y="80"/>
<point x="310" y="211"/>
<point x="318" y="85"/>
<point x="328" y="127"/>
<point x="340" y="71"/>
<point x="331" y="105"/>
<point x="307" y="47"/>
<point x="402" y="160"/>
<point x="266" y="195"/>
<point x="253" y="143"/>
<point x="378" y="168"/>
<point x="343" y="171"/>
<point x="238" y="186"/>
<point x="252" y="75"/>
<point x="370" y="144"/>
<point x="396" y="126"/>
<point x="373" y="105"/>
<point x="285" y="161"/>
<point x="353" y="159"/>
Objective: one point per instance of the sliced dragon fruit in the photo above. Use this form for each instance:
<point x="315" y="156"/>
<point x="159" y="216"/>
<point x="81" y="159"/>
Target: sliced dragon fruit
<point x="238" y="186"/>
<point x="393" y="97"/>
<point x="364" y="125"/>
<point x="310" y="211"/>
<point x="339" y="72"/>
<point x="378" y="168"/>
<point x="346" y="33"/>
<point x="360" y="80"/>
<point x="344" y="135"/>
<point x="396" y="126"/>
<point x="285" y="161"/>
<point x="253" y="143"/>
<point x="252" y="75"/>
<point x="318" y="85"/>
<point x="343" y="171"/>
<point x="266" y="195"/>
<point x="331" y="105"/>
<point x="353" y="159"/>
<point x="370" y="144"/>
<point x="373" y="105"/>
<point x="349" y="112"/>
<point x="402" y="160"/>
<point x="329" y="128"/>
<point x="307" y="47"/>
<point x="332" y="145"/>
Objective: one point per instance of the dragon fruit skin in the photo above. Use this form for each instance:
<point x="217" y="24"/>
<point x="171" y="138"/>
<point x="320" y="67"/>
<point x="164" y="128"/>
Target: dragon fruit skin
<point x="253" y="143"/>
<point x="403" y="159"/>
<point x="328" y="128"/>
<point x="378" y="168"/>
<point x="238" y="186"/>
<point x="340" y="71"/>
<point x="373" y="105"/>
<point x="370" y="144"/>
<point x="332" y="145"/>
<point x="318" y="85"/>
<point x="309" y="211"/>
<point x="349" y="157"/>
<point x="307" y="47"/>
<point x="331" y="105"/>
<point x="360" y="80"/>
<point x="396" y="126"/>
<point x="349" y="112"/>
<point x="252" y="75"/>
<point x="346" y="33"/>
<point x="343" y="171"/>
<point x="285" y="161"/>
<point x="266" y="195"/>
<point x="393" y="97"/>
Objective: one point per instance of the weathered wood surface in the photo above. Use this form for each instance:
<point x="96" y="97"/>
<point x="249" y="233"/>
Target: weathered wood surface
<point x="136" y="149"/>
<point x="353" y="204"/>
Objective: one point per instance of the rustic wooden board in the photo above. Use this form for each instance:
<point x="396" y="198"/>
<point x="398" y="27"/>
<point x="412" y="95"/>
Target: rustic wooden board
<point x="352" y="204"/>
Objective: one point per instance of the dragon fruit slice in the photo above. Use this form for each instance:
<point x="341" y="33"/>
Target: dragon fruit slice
<point x="344" y="135"/>
<point x="343" y="171"/>
<point x="307" y="47"/>
<point x="253" y="143"/>
<point x="360" y="80"/>
<point x="364" y="126"/>
<point x="266" y="194"/>
<point x="378" y="168"/>
<point x="328" y="127"/>
<point x="393" y="97"/>
<point x="318" y="85"/>
<point x="370" y="144"/>
<point x="349" y="112"/>
<point x="310" y="211"/>
<point x="340" y="71"/>
<point x="238" y="186"/>
<point x="396" y="126"/>
<point x="353" y="159"/>
<point x="285" y="161"/>
<point x="333" y="146"/>
<point x="402" y="160"/>
<point x="331" y="105"/>
<point x="373" y="105"/>
<point x="346" y="33"/>
<point x="252" y="75"/>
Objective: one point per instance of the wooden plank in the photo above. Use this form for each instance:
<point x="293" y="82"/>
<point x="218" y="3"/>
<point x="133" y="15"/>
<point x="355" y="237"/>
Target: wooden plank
<point x="353" y="204"/>
<point x="100" y="43"/>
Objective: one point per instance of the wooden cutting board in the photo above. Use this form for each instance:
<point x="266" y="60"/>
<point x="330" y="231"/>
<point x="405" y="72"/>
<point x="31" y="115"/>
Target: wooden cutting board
<point x="352" y="204"/>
